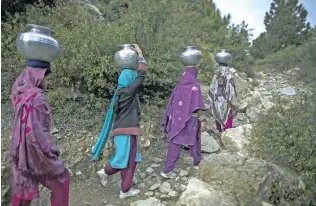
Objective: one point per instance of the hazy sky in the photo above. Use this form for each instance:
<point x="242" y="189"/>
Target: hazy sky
<point x="253" y="11"/>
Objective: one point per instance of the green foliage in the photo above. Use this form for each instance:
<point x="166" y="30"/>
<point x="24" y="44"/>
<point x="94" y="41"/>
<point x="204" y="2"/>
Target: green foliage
<point x="283" y="60"/>
<point x="308" y="61"/>
<point x="88" y="43"/>
<point x="249" y="70"/>
<point x="238" y="41"/>
<point x="285" y="25"/>
<point x="259" y="48"/>
<point x="10" y="7"/>
<point x="284" y="192"/>
<point x="302" y="57"/>
<point x="287" y="137"/>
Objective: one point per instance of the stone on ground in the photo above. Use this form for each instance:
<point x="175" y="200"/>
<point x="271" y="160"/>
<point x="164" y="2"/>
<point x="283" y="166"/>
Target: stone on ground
<point x="237" y="139"/>
<point x="209" y="143"/>
<point x="152" y="201"/>
<point x="150" y="170"/>
<point x="155" y="186"/>
<point x="165" y="187"/>
<point x="183" y="173"/>
<point x="199" y="193"/>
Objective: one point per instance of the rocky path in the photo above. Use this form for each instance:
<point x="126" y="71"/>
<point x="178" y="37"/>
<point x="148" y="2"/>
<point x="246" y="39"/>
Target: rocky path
<point x="226" y="177"/>
<point x="86" y="189"/>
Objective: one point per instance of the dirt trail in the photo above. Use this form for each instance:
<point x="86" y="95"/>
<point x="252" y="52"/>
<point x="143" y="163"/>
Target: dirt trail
<point x="75" y="143"/>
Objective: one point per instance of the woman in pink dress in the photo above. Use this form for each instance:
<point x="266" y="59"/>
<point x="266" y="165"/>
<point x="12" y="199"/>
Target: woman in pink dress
<point x="35" y="158"/>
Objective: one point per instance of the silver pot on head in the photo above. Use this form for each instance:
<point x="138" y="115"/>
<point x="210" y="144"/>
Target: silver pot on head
<point x="38" y="44"/>
<point x="126" y="57"/>
<point x="223" y="57"/>
<point x="191" y="56"/>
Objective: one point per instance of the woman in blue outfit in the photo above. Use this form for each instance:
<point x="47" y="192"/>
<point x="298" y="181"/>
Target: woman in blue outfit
<point x="126" y="107"/>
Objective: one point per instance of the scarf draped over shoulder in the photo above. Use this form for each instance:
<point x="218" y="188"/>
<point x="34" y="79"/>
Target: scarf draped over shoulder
<point x="32" y="147"/>
<point x="185" y="99"/>
<point x="126" y="77"/>
<point x="221" y="93"/>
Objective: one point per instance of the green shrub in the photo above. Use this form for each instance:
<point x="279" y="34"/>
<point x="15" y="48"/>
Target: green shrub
<point x="303" y="57"/>
<point x="284" y="192"/>
<point x="283" y="60"/>
<point x="287" y="137"/>
<point x="88" y="44"/>
<point x="249" y="70"/>
<point x="15" y="6"/>
<point x="308" y="61"/>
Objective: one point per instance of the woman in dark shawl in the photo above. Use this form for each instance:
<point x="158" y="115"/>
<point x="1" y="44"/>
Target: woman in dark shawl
<point x="183" y="120"/>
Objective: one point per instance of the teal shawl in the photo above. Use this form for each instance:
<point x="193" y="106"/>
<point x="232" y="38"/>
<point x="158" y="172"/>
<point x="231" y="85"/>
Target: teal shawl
<point x="121" y="142"/>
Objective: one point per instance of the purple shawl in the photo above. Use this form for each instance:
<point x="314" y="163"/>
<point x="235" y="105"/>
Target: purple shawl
<point x="185" y="99"/>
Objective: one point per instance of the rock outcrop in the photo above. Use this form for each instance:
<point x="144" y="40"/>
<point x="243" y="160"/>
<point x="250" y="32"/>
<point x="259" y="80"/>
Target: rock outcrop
<point x="241" y="180"/>
<point x="152" y="201"/>
<point x="209" y="143"/>
<point x="237" y="139"/>
<point x="199" y="193"/>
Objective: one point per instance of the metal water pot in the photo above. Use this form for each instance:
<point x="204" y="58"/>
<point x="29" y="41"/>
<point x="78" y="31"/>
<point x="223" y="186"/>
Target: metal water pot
<point x="37" y="44"/>
<point x="191" y="56"/>
<point x="223" y="57"/>
<point x="126" y="57"/>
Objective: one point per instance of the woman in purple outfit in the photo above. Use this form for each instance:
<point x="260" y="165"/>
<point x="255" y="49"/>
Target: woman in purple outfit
<point x="183" y="120"/>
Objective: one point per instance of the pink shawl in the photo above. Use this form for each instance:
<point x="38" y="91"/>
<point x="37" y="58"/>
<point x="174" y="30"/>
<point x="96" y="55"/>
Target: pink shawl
<point x="33" y="152"/>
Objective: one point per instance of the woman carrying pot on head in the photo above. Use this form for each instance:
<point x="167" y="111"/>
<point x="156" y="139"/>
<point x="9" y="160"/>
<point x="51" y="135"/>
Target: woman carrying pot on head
<point x="183" y="119"/>
<point x="126" y="122"/>
<point x="222" y="93"/>
<point x="35" y="158"/>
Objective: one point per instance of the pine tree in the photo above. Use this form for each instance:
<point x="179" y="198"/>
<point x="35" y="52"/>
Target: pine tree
<point x="259" y="48"/>
<point x="286" y="24"/>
